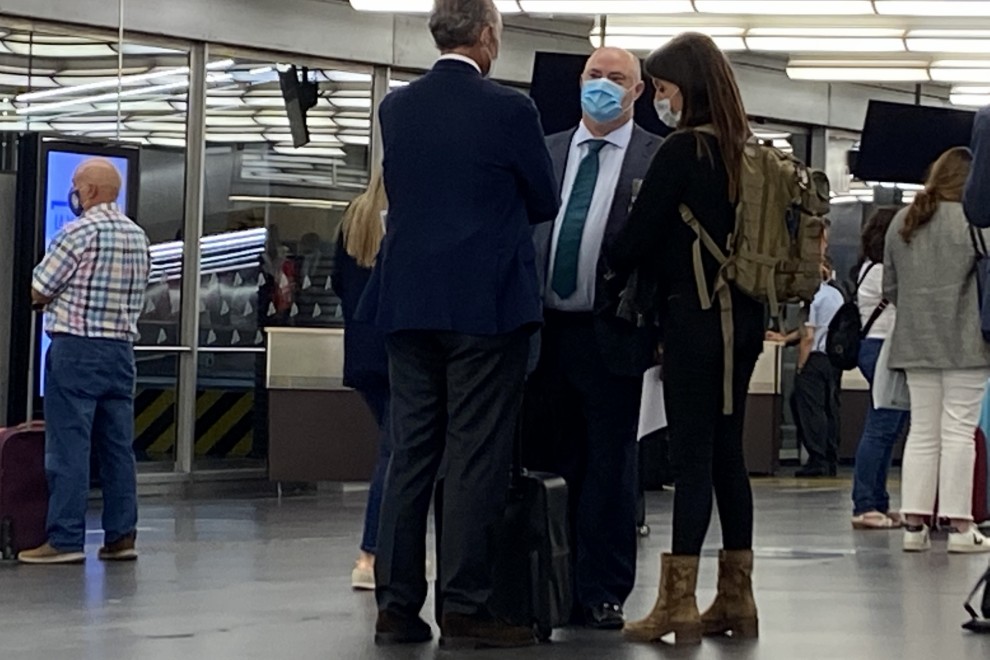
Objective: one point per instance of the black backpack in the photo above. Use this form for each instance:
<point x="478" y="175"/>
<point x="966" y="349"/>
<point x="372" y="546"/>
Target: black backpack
<point x="846" y="332"/>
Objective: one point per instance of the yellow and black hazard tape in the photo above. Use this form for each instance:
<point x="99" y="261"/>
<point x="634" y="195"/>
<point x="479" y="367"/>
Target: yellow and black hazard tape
<point x="224" y="423"/>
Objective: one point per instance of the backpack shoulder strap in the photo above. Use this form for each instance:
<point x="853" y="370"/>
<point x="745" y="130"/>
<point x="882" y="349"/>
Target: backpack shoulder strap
<point x="704" y="238"/>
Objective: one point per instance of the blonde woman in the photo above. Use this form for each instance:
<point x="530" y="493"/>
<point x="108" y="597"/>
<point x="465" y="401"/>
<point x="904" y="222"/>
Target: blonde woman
<point x="365" y="361"/>
<point x="929" y="275"/>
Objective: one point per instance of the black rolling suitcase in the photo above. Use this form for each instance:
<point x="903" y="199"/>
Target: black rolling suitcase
<point x="532" y="573"/>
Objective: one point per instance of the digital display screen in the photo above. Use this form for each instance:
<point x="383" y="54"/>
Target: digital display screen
<point x="59" y="168"/>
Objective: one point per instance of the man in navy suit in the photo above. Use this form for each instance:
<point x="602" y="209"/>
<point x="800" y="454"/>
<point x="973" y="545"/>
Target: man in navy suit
<point x="583" y="399"/>
<point x="457" y="293"/>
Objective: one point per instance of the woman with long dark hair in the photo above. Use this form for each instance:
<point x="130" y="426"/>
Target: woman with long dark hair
<point x="696" y="89"/>
<point x="929" y="274"/>
<point x="883" y="428"/>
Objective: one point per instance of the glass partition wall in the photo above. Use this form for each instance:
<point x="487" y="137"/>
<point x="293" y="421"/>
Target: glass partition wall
<point x="242" y="224"/>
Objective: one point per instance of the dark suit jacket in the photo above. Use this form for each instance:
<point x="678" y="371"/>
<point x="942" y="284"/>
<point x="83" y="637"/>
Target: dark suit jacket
<point x="467" y="172"/>
<point x="627" y="351"/>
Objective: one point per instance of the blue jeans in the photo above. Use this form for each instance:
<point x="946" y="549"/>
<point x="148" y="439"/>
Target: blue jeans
<point x="89" y="404"/>
<point x="881" y="432"/>
<point x="376" y="395"/>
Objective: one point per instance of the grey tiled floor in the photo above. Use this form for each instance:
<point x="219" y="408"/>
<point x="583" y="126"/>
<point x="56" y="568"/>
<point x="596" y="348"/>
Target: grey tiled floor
<point x="259" y="579"/>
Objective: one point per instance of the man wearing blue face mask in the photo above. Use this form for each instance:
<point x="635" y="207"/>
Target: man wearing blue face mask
<point x="583" y="398"/>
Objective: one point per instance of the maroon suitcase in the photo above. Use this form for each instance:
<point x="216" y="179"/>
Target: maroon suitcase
<point x="23" y="482"/>
<point x="23" y="489"/>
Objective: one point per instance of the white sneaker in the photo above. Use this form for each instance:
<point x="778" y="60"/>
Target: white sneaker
<point x="920" y="541"/>
<point x="969" y="542"/>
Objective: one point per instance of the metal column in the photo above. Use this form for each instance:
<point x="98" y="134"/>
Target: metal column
<point x="379" y="88"/>
<point x="192" y="230"/>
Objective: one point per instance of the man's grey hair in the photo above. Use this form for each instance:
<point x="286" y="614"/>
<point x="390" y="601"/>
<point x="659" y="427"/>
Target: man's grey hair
<point x="457" y="23"/>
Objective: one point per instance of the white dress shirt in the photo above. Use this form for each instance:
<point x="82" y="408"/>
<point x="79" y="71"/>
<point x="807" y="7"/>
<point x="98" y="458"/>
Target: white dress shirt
<point x="460" y="58"/>
<point x="610" y="161"/>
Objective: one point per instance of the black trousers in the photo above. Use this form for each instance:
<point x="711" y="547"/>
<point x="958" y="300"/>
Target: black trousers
<point x="815" y="404"/>
<point x="706" y="447"/>
<point x="581" y="422"/>
<point x="455" y="399"/>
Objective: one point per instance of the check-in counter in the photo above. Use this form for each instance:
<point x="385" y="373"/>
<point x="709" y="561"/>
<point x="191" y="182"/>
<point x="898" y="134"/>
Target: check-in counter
<point x="764" y="413"/>
<point x="319" y="429"/>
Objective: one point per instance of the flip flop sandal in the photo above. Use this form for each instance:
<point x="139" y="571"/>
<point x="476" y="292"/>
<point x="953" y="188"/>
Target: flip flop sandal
<point x="873" y="520"/>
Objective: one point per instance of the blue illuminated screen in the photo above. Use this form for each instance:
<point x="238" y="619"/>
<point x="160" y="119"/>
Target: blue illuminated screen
<point x="61" y="165"/>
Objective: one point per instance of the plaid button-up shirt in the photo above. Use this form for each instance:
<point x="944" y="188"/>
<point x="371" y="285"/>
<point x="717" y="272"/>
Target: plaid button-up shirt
<point x="96" y="273"/>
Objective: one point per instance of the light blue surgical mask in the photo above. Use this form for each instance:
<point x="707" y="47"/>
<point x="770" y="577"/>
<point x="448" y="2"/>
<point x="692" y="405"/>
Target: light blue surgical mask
<point x="601" y="100"/>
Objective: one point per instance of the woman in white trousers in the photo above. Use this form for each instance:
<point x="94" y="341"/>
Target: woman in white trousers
<point x="930" y="276"/>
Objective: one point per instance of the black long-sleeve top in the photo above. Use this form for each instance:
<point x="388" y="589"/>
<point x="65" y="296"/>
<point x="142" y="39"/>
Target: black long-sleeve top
<point x="683" y="173"/>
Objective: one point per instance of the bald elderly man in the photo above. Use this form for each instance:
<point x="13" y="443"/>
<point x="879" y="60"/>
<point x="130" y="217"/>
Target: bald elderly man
<point x="583" y="399"/>
<point x="91" y="283"/>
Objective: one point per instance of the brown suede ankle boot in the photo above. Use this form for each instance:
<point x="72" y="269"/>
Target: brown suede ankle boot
<point x="676" y="610"/>
<point x="734" y="609"/>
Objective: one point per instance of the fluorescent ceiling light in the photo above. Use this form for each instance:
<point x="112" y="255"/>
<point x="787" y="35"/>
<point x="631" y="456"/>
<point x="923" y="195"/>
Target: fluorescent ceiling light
<point x="289" y="150"/>
<point x="301" y="201"/>
<point x="949" y="45"/>
<point x="962" y="8"/>
<point x="970" y="100"/>
<point x="647" y="43"/>
<point x="419" y="6"/>
<point x="351" y="103"/>
<point x="58" y="105"/>
<point x="858" y="72"/>
<point x="347" y="76"/>
<point x="826" y="44"/>
<point x="124" y="81"/>
<point x="961" y="75"/>
<point x="607" y="6"/>
<point x="849" y="32"/>
<point x="786" y="7"/>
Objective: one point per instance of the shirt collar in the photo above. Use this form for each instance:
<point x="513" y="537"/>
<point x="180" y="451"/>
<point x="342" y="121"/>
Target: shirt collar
<point x="620" y="137"/>
<point x="460" y="58"/>
<point x="108" y="207"/>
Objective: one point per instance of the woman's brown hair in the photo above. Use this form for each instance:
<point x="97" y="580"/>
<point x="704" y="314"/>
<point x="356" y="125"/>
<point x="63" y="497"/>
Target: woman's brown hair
<point x="945" y="183"/>
<point x="710" y="94"/>
<point x="362" y="226"/>
<point x="875" y="235"/>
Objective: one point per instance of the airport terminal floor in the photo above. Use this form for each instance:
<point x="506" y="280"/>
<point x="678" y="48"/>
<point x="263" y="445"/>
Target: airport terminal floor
<point x="259" y="578"/>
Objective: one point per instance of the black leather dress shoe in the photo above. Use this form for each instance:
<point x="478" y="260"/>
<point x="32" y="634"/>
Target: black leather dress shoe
<point x="607" y="616"/>
<point x="395" y="628"/>
<point x="812" y="472"/>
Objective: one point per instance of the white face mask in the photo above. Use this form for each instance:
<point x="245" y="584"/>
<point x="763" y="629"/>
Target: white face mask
<point x="666" y="113"/>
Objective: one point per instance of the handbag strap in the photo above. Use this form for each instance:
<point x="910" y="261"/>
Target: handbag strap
<point x="875" y="316"/>
<point x="884" y="303"/>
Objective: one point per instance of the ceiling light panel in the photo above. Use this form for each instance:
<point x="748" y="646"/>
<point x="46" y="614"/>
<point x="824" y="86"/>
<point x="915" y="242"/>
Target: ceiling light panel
<point x="959" y="8"/>
<point x="825" y="40"/>
<point x="858" y="71"/>
<point x="420" y="6"/>
<point x="786" y="7"/>
<point x="607" y="6"/>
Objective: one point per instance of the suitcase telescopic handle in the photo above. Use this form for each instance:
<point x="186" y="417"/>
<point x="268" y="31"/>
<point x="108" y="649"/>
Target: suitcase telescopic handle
<point x="36" y="311"/>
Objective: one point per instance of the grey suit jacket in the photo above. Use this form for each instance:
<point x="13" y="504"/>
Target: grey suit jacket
<point x="932" y="281"/>
<point x="627" y="352"/>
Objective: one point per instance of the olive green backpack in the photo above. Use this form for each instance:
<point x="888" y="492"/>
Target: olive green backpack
<point x="775" y="253"/>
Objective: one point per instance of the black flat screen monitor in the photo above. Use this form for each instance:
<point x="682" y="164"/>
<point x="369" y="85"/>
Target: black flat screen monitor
<point x="556" y="90"/>
<point x="901" y="141"/>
